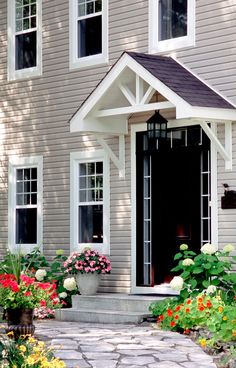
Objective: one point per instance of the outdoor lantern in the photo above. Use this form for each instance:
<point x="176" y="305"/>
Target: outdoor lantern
<point x="157" y="127"/>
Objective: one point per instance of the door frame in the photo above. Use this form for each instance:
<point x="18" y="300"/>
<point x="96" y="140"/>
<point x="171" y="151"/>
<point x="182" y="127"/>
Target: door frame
<point x="165" y="289"/>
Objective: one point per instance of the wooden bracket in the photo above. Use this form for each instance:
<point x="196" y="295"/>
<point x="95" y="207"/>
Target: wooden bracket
<point x="118" y="162"/>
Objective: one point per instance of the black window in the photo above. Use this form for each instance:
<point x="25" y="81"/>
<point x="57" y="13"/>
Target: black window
<point x="173" y="19"/>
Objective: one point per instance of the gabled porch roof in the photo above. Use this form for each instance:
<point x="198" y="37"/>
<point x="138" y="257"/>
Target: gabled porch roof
<point x="130" y="86"/>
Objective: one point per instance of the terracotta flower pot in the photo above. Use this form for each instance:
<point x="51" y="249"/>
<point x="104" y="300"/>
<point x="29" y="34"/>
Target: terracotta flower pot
<point x="20" y="322"/>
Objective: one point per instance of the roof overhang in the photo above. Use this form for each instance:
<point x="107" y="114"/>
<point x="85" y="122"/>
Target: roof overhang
<point x="128" y="88"/>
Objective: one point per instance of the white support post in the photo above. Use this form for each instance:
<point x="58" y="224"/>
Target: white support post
<point x="118" y="162"/>
<point x="222" y="151"/>
<point x="228" y="145"/>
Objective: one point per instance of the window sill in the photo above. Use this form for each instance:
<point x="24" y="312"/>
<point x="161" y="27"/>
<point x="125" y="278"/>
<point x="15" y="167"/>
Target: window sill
<point x="89" y="61"/>
<point x="172" y="45"/>
<point x="24" y="74"/>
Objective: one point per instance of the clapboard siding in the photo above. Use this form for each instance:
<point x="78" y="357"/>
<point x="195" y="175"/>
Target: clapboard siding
<point x="35" y="116"/>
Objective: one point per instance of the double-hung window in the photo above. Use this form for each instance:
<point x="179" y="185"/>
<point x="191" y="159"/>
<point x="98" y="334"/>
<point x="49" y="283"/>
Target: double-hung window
<point x="24" y="38"/>
<point x="90" y="201"/>
<point x="171" y="24"/>
<point x="88" y="32"/>
<point x="25" y="202"/>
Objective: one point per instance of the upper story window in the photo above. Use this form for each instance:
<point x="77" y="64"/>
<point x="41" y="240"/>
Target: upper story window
<point x="24" y="38"/>
<point x="25" y="202"/>
<point x="171" y="24"/>
<point x="88" y="32"/>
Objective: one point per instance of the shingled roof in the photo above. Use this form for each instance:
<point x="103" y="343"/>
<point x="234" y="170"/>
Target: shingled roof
<point x="181" y="81"/>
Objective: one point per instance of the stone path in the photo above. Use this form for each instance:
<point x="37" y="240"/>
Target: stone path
<point x="83" y="345"/>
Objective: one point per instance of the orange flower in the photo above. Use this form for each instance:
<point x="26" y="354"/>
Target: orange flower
<point x="169" y="312"/>
<point x="161" y="318"/>
<point x="187" y="310"/>
<point x="201" y="307"/>
<point x="220" y="309"/>
<point x="176" y="317"/>
<point x="172" y="324"/>
<point x="199" y="300"/>
<point x="187" y="332"/>
<point x="177" y="308"/>
<point x="189" y="301"/>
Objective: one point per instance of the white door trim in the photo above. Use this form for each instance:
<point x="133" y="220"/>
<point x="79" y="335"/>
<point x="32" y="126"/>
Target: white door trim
<point x="164" y="288"/>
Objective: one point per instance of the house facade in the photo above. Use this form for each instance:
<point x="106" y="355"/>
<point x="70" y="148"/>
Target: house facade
<point x="117" y="130"/>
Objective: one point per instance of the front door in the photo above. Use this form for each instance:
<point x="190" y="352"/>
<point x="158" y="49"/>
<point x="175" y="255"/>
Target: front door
<point x="173" y="196"/>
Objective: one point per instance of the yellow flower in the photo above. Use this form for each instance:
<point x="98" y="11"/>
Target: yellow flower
<point x="220" y="309"/>
<point x="22" y="348"/>
<point x="234" y="333"/>
<point x="225" y="318"/>
<point x="11" y="333"/>
<point x="202" y="343"/>
<point x="31" y="340"/>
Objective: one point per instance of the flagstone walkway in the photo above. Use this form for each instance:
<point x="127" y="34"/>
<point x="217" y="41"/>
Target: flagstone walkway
<point x="85" y="345"/>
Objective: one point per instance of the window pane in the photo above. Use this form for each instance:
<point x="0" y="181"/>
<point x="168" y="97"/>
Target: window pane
<point x="19" y="187"/>
<point x="26" y="50"/>
<point x="99" y="167"/>
<point x="91" y="224"/>
<point x="98" y="6"/>
<point x="27" y="186"/>
<point x="26" y="199"/>
<point x="82" y="195"/>
<point x="90" y="168"/>
<point x="81" y="10"/>
<point x="33" y="198"/>
<point x="173" y="19"/>
<point x="91" y="182"/>
<point x="33" y="22"/>
<point x="26" y="10"/>
<point x="34" y="173"/>
<point x="89" y="8"/>
<point x="82" y="182"/>
<point x="33" y="9"/>
<point x="26" y="226"/>
<point x="19" y="199"/>
<point x="19" y="174"/>
<point x="82" y="169"/>
<point x="90" y="36"/>
<point x="18" y="13"/>
<point x="99" y="181"/>
<point x="25" y="24"/>
<point x="33" y="186"/>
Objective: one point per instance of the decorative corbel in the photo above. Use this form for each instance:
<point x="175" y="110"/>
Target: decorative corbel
<point x="118" y="162"/>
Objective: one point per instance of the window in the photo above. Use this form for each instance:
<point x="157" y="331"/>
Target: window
<point x="88" y="32"/>
<point x="90" y="200"/>
<point x="171" y="24"/>
<point x="24" y="38"/>
<point x="25" y="202"/>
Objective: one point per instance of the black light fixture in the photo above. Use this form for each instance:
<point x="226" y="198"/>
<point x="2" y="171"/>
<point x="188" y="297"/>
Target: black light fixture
<point x="157" y="127"/>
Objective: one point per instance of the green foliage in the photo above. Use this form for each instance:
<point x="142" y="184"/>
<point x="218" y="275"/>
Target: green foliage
<point x="159" y="307"/>
<point x="205" y="269"/>
<point x="26" y="353"/>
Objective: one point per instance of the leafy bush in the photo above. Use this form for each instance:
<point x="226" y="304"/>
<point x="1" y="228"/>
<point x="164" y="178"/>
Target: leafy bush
<point x="210" y="267"/>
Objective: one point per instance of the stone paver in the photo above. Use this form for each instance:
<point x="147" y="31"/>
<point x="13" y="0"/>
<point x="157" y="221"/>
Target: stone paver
<point x="87" y="345"/>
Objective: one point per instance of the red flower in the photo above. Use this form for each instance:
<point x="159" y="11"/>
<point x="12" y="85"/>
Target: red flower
<point x="27" y="293"/>
<point x="161" y="318"/>
<point x="44" y="285"/>
<point x="189" y="301"/>
<point x="201" y="307"/>
<point x="27" y="280"/>
<point x="176" y="317"/>
<point x="172" y="324"/>
<point x="177" y="308"/>
<point x="208" y="304"/>
<point x="43" y="303"/>
<point x="186" y="332"/>
<point x="187" y="310"/>
<point x="169" y="312"/>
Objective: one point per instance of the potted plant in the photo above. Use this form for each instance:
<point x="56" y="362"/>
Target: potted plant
<point x="19" y="297"/>
<point x="87" y="266"/>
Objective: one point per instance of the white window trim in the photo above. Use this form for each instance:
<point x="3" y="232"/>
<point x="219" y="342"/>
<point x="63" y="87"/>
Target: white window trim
<point x="87" y="61"/>
<point x="14" y="74"/>
<point x="18" y="163"/>
<point x="175" y="43"/>
<point x="75" y="159"/>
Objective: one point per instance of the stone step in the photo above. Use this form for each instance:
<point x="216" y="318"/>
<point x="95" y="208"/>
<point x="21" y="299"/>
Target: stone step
<point x="99" y="316"/>
<point x="115" y="302"/>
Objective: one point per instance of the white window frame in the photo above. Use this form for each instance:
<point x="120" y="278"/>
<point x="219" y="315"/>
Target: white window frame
<point x="22" y="163"/>
<point x="91" y="60"/>
<point x="75" y="159"/>
<point x="35" y="71"/>
<point x="155" y="45"/>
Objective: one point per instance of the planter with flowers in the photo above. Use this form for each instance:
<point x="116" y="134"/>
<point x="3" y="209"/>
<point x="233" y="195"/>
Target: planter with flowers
<point x="87" y="266"/>
<point x="19" y="297"/>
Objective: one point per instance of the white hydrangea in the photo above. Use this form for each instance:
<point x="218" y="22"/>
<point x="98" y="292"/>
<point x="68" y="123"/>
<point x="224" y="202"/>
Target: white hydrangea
<point x="208" y="248"/>
<point x="70" y="284"/>
<point x="177" y="283"/>
<point x="40" y="274"/>
<point x="183" y="247"/>
<point x="188" y="262"/>
<point x="228" y="248"/>
<point x="62" y="295"/>
<point x="211" y="289"/>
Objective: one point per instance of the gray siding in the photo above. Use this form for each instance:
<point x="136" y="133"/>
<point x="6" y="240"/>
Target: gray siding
<point x="34" y="114"/>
